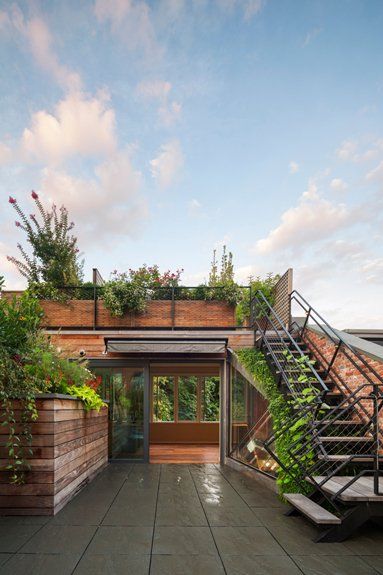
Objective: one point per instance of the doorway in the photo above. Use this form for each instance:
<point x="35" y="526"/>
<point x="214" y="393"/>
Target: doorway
<point x="184" y="413"/>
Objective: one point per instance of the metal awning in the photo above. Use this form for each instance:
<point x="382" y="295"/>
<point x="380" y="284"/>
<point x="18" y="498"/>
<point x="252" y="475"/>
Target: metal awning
<point x="166" y="346"/>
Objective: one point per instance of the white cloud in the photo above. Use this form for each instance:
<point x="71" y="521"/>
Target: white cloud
<point x="168" y="111"/>
<point x="250" y="8"/>
<point x="5" y="154"/>
<point x="310" y="36"/>
<point x="376" y="173"/>
<point x="131" y="20"/>
<point x="79" y="125"/>
<point x="166" y="166"/>
<point x="40" y="42"/>
<point x="312" y="219"/>
<point x="338" y="185"/>
<point x="293" y="167"/>
<point x="195" y="207"/>
<point x="111" y="203"/>
<point x="347" y="150"/>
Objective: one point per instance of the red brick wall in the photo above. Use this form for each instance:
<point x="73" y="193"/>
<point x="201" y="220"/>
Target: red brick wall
<point x="79" y="313"/>
<point x="343" y="369"/>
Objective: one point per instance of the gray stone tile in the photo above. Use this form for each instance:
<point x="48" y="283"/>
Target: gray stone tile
<point x="259" y="498"/>
<point x="81" y="514"/>
<point x="260" y="565"/>
<point x="271" y="515"/>
<point x="297" y="538"/>
<point x="130" y="513"/>
<point x="128" y="540"/>
<point x="60" y="539"/>
<point x="24" y="520"/>
<point x="37" y="564"/>
<point x="113" y="565"/>
<point x="368" y="540"/>
<point x="183" y="541"/>
<point x="227" y="499"/>
<point x="12" y="537"/>
<point x="186" y="565"/>
<point x="226" y="515"/>
<point x="180" y="513"/>
<point x="245" y="541"/>
<point x="4" y="557"/>
<point x="333" y="565"/>
<point x="375" y="561"/>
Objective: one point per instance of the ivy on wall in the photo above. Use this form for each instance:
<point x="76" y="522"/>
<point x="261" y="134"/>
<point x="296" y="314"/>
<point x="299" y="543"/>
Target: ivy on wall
<point x="289" y="428"/>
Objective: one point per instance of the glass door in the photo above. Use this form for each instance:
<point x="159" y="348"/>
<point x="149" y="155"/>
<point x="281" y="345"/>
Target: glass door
<point x="126" y="389"/>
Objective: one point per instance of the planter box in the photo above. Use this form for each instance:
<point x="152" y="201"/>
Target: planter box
<point x="70" y="446"/>
<point x="158" y="314"/>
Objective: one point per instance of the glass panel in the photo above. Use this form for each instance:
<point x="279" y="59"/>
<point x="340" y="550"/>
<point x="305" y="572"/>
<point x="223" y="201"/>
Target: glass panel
<point x="187" y="398"/>
<point x="251" y="425"/>
<point x="210" y="398"/>
<point x="124" y="388"/>
<point x="163" y="398"/>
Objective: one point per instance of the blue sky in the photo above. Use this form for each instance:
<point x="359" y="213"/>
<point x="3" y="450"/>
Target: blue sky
<point x="169" y="128"/>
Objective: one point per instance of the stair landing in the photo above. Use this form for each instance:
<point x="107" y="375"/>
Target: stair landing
<point x="361" y="490"/>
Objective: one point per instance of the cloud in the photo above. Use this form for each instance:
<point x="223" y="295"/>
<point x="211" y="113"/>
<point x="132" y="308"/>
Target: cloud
<point x="110" y="203"/>
<point x="376" y="173"/>
<point x="338" y="185"/>
<point x="159" y="90"/>
<point x="131" y="20"/>
<point x="5" y="154"/>
<point x="249" y="8"/>
<point x="166" y="166"/>
<point x="293" y="167"/>
<point x="79" y="125"/>
<point x="347" y="150"/>
<point x="312" y="219"/>
<point x="310" y="36"/>
<point x="195" y="208"/>
<point x="40" y="42"/>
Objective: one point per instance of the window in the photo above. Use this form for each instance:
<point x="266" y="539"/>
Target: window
<point x="210" y="398"/>
<point x="187" y="398"/>
<point x="163" y="398"/>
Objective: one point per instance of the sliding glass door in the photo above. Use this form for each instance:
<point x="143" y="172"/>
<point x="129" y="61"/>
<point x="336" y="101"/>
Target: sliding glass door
<point x="126" y="389"/>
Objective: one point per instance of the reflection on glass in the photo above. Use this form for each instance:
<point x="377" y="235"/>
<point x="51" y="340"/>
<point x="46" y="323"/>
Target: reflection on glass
<point x="187" y="398"/>
<point x="210" y="398"/>
<point x="251" y="424"/>
<point x="163" y="398"/>
<point x="124" y="388"/>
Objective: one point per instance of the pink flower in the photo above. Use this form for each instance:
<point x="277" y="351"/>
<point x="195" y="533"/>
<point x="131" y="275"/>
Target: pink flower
<point x="17" y="224"/>
<point x="34" y="195"/>
<point x="12" y="200"/>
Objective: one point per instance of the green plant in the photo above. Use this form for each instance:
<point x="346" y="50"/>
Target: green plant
<point x="130" y="291"/>
<point x="265" y="285"/>
<point x="221" y="285"/>
<point x="88" y="396"/>
<point x="292" y="418"/>
<point x="55" y="256"/>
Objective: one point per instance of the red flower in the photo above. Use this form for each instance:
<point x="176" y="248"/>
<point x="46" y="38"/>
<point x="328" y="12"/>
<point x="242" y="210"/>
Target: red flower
<point x="12" y="200"/>
<point x="34" y="195"/>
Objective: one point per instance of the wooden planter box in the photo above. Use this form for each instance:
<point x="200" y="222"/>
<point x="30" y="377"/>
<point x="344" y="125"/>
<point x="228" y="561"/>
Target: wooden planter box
<point x="70" y="446"/>
<point x="158" y="314"/>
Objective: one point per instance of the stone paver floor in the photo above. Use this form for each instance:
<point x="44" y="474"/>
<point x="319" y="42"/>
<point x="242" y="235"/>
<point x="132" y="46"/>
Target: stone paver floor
<point x="178" y="520"/>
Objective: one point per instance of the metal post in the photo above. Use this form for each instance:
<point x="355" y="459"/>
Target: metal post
<point x="375" y="421"/>
<point x="173" y="309"/>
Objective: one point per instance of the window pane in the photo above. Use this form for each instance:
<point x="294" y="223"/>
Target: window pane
<point x="210" y="399"/>
<point x="163" y="398"/>
<point x="187" y="398"/>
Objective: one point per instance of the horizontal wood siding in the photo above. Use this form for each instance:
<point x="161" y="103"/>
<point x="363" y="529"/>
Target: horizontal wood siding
<point x="70" y="446"/>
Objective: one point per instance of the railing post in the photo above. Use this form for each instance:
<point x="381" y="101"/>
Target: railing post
<point x="375" y="422"/>
<point x="173" y="309"/>
<point x="94" y="306"/>
<point x="333" y="358"/>
<point x="251" y="320"/>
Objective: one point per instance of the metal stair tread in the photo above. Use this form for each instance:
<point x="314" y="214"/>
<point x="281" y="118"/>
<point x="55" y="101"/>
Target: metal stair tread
<point x="330" y="438"/>
<point x="312" y="510"/>
<point x="361" y="490"/>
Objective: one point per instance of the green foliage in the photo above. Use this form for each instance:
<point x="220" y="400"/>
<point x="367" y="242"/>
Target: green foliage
<point x="88" y="396"/>
<point x="290" y="427"/>
<point x="55" y="256"/>
<point x="265" y="285"/>
<point x="29" y="366"/>
<point x="221" y="280"/>
<point x="130" y="291"/>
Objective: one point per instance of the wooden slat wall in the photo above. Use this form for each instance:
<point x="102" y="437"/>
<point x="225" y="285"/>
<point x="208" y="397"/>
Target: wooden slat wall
<point x="70" y="446"/>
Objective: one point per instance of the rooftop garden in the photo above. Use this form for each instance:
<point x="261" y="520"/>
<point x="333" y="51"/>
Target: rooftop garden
<point x="53" y="267"/>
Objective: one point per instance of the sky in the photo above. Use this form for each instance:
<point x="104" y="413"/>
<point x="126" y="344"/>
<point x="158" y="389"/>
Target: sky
<point x="174" y="127"/>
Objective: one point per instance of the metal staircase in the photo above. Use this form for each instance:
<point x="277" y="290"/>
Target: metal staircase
<point x="337" y="462"/>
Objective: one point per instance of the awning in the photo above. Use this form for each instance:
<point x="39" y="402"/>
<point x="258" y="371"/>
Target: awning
<point x="166" y="346"/>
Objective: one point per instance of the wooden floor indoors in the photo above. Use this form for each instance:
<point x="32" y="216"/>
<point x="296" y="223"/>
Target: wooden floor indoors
<point x="184" y="453"/>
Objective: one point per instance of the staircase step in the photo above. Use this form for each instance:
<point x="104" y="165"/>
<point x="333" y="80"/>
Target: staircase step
<point x="340" y="439"/>
<point x="311" y="510"/>
<point x="356" y="459"/>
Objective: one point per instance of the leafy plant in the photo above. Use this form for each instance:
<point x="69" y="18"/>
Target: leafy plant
<point x="54" y="262"/>
<point x="292" y="419"/>
<point x="265" y="285"/>
<point x="88" y="396"/>
<point x="221" y="284"/>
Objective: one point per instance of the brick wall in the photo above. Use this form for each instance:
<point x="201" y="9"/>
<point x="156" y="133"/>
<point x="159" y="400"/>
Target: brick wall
<point x="80" y="313"/>
<point x="343" y="369"/>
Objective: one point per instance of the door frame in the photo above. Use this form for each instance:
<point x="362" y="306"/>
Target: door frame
<point x="145" y="365"/>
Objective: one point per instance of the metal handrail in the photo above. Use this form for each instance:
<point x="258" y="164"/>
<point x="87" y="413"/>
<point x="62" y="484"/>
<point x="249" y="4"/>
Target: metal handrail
<point x="282" y="328"/>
